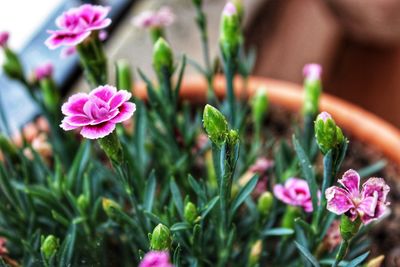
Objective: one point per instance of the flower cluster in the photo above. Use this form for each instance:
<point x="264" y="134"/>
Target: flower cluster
<point x="369" y="204"/>
<point x="76" y="24"/>
<point x="97" y="112"/>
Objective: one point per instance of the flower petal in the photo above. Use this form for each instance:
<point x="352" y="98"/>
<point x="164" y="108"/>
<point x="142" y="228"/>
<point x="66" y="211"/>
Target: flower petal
<point x="119" y="98"/>
<point x="351" y="181"/>
<point x="67" y="127"/>
<point x="126" y="111"/>
<point x="375" y="185"/>
<point x="281" y="194"/>
<point x="75" y="104"/>
<point x="105" y="92"/>
<point x="59" y="38"/>
<point x="338" y="200"/>
<point x="368" y="205"/>
<point x="77" y="120"/>
<point x="379" y="211"/>
<point x="97" y="131"/>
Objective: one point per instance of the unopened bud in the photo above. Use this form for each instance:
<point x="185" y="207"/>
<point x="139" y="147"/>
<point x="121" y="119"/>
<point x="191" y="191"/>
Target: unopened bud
<point x="348" y="228"/>
<point x="83" y="202"/>
<point x="327" y="133"/>
<point x="264" y="204"/>
<point x="230" y="35"/>
<point x="4" y="38"/>
<point x="190" y="213"/>
<point x="12" y="66"/>
<point x="110" y="207"/>
<point x="259" y="106"/>
<point x="49" y="246"/>
<point x="255" y="253"/>
<point x="215" y="125"/>
<point x="163" y="58"/>
<point x="161" y="238"/>
<point x="312" y="87"/>
<point x="239" y="8"/>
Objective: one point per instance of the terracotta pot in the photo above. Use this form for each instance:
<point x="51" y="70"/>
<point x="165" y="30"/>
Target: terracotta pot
<point x="362" y="124"/>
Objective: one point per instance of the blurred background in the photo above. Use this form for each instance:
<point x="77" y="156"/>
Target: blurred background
<point x="356" y="41"/>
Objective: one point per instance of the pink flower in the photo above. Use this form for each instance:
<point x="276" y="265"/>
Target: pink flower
<point x="261" y="165"/>
<point x="156" y="259"/>
<point x="295" y="192"/>
<point x="97" y="113"/>
<point x="312" y="71"/>
<point x="229" y="9"/>
<point x="4" y="38"/>
<point x="154" y="19"/>
<point x="43" y="71"/>
<point x="324" y="116"/>
<point x="3" y="248"/>
<point x="369" y="204"/>
<point x="76" y="24"/>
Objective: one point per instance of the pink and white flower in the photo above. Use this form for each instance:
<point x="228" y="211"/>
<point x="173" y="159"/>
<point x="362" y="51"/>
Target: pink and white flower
<point x="312" y="71"/>
<point x="3" y="248"/>
<point x="43" y="71"/>
<point x="156" y="259"/>
<point x="154" y="19"/>
<point x="229" y="9"/>
<point x="4" y="38"/>
<point x="369" y="204"/>
<point x="76" y="24"/>
<point x="295" y="192"/>
<point x="98" y="112"/>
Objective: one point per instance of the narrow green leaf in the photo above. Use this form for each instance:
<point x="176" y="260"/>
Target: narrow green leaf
<point x="277" y="232"/>
<point x="243" y="194"/>
<point x="176" y="196"/>
<point x="210" y="205"/>
<point x="149" y="192"/>
<point x="355" y="262"/>
<point x="307" y="254"/>
<point x="372" y="169"/>
<point x="180" y="226"/>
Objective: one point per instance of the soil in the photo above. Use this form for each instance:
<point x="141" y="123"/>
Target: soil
<point x="385" y="235"/>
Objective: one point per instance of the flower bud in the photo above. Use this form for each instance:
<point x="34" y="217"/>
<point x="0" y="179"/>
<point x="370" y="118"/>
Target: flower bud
<point x="124" y="77"/>
<point x="112" y="147"/>
<point x="230" y="35"/>
<point x="163" y="58"/>
<point x="255" y="253"/>
<point x="291" y="213"/>
<point x="190" y="213"/>
<point x="259" y="106"/>
<point x="233" y="137"/>
<point x="49" y="246"/>
<point x="327" y="133"/>
<point x="312" y="87"/>
<point x="161" y="238"/>
<point x="215" y="125"/>
<point x="43" y="71"/>
<point x="12" y="66"/>
<point x="239" y="8"/>
<point x="4" y="38"/>
<point x="264" y="204"/>
<point x="110" y="207"/>
<point x="83" y="202"/>
<point x="348" y="228"/>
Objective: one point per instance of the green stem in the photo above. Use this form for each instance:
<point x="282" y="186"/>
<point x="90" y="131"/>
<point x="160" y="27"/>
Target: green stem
<point x="341" y="253"/>
<point x="229" y="75"/>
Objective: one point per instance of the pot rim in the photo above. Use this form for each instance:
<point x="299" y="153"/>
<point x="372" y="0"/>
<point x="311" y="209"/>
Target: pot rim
<point x="364" y="125"/>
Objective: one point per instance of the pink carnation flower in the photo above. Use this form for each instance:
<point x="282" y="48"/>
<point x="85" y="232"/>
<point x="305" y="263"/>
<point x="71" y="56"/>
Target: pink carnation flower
<point x="43" y="71"/>
<point x="229" y="9"/>
<point x="76" y="24"/>
<point x="156" y="259"/>
<point x="4" y="38"/>
<point x="295" y="192"/>
<point x="154" y="19"/>
<point x="3" y="248"/>
<point x="97" y="113"/>
<point x="369" y="204"/>
<point x="312" y="71"/>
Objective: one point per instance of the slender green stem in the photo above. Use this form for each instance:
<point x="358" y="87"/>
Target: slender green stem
<point x="229" y="75"/>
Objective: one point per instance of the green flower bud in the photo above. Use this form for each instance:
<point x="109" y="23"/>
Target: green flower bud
<point x="163" y="58"/>
<point x="51" y="96"/>
<point x="239" y="8"/>
<point x="83" y="202"/>
<point x="190" y="213"/>
<point x="49" y="246"/>
<point x="348" y="228"/>
<point x="161" y="238"/>
<point x="264" y="204"/>
<point x="12" y="65"/>
<point x="112" y="147"/>
<point x="110" y="207"/>
<point x="327" y="133"/>
<point x="215" y="125"/>
<point x="230" y="33"/>
<point x="259" y="106"/>
<point x="312" y="87"/>
<point x="255" y="253"/>
<point x="124" y="77"/>
<point x="291" y="213"/>
<point x="233" y="137"/>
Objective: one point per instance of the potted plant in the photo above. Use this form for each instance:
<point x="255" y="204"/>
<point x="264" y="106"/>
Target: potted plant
<point x="165" y="182"/>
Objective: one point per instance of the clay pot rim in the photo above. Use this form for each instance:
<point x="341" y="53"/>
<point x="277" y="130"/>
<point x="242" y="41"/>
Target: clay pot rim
<point x="363" y="125"/>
